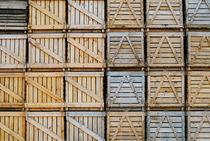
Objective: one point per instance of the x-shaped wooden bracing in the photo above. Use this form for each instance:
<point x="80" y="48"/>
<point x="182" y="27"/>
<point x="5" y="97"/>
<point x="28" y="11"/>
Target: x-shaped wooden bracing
<point x="118" y="48"/>
<point x="159" y="46"/>
<point x="171" y="9"/>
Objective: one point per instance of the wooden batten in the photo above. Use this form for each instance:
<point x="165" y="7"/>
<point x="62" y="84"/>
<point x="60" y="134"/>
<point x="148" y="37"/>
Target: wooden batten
<point x="163" y="126"/>
<point x="84" y="90"/>
<point x="125" y="90"/>
<point x="125" y="126"/>
<point x="44" y="91"/>
<point x="81" y="126"/>
<point x="166" y="90"/>
<point x="46" y="51"/>
<point x="45" y="126"/>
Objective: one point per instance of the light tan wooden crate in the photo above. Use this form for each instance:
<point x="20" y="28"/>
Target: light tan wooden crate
<point x="125" y="14"/>
<point x="197" y="13"/>
<point x="47" y="14"/>
<point x="165" y="49"/>
<point x="45" y="126"/>
<point x="86" y="14"/>
<point x="84" y="90"/>
<point x="12" y="126"/>
<point x="12" y="90"/>
<point x="165" y="126"/>
<point x="86" y="50"/>
<point x="126" y="126"/>
<point x="164" y="14"/>
<point x="44" y="90"/>
<point x="46" y="50"/>
<point x="166" y="90"/>
<point x="85" y="126"/>
<point x="199" y="49"/>
<point x="125" y="49"/>
<point x="12" y="51"/>
<point x="198" y="126"/>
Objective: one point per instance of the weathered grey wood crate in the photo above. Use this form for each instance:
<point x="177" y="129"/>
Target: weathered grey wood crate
<point x="198" y="126"/>
<point x="81" y="126"/>
<point x="125" y="90"/>
<point x="165" y="126"/>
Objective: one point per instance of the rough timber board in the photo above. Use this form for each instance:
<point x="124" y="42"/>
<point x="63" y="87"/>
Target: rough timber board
<point x="165" y="126"/>
<point x="164" y="14"/>
<point x="84" y="90"/>
<point x="83" y="126"/>
<point x="46" y="50"/>
<point x="12" y="51"/>
<point x="124" y="126"/>
<point x="125" y="14"/>
<point x="199" y="49"/>
<point x="86" y="14"/>
<point x="125" y="49"/>
<point x="86" y="50"/>
<point x="165" y="49"/>
<point x="125" y="90"/>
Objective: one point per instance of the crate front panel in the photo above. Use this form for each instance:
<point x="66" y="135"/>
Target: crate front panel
<point x="164" y="14"/>
<point x="83" y="126"/>
<point x="198" y="125"/>
<point x="12" y="89"/>
<point x="45" y="126"/>
<point x="165" y="49"/>
<point x="125" y="14"/>
<point x="126" y="89"/>
<point x="166" y="89"/>
<point x="199" y="49"/>
<point x="85" y="50"/>
<point x="125" y="126"/>
<point x="199" y="88"/>
<point x="12" y="50"/>
<point x="46" y="50"/>
<point x="13" y="15"/>
<point x="49" y="14"/>
<point x="125" y="49"/>
<point x="86" y="14"/>
<point x="44" y="90"/>
<point x="198" y="13"/>
<point x="164" y="126"/>
<point x="84" y="90"/>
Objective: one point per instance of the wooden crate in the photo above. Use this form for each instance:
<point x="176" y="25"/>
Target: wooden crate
<point x="87" y="126"/>
<point x="125" y="49"/>
<point x="47" y="14"/>
<point x="86" y="50"/>
<point x="125" y="14"/>
<point x="165" y="126"/>
<point x="12" y="126"/>
<point x="125" y="126"/>
<point x="84" y="90"/>
<point x="45" y="126"/>
<point x="165" y="49"/>
<point x="86" y="14"/>
<point x="125" y="90"/>
<point x="197" y="13"/>
<point x="12" y="90"/>
<point x="13" y="15"/>
<point x="46" y="50"/>
<point x="199" y="49"/>
<point x="44" y="90"/>
<point x="166" y="89"/>
<point x="12" y="51"/>
<point x="198" y="126"/>
<point x="164" y="14"/>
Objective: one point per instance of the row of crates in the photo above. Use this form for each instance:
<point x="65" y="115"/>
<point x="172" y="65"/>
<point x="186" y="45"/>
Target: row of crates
<point x="87" y="50"/>
<point x="81" y="126"/>
<point x="90" y="14"/>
